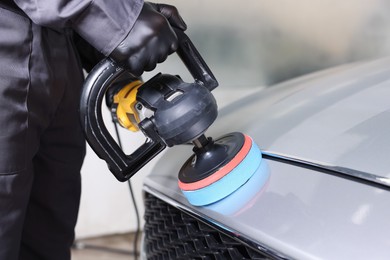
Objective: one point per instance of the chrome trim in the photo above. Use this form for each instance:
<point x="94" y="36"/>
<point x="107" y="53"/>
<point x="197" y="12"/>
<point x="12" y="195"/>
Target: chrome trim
<point x="270" y="252"/>
<point x="359" y="176"/>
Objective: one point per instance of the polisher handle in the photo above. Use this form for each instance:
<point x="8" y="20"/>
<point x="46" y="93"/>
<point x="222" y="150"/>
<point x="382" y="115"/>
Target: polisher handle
<point x="194" y="61"/>
<point x="99" y="80"/>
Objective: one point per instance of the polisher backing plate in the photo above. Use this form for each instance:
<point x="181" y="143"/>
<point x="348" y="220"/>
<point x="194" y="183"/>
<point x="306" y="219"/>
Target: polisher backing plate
<point x="227" y="178"/>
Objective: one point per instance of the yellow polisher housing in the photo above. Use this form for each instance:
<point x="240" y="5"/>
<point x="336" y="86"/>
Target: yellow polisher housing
<point x="125" y="101"/>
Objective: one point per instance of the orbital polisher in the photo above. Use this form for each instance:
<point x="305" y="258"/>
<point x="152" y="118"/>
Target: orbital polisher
<point x="169" y="112"/>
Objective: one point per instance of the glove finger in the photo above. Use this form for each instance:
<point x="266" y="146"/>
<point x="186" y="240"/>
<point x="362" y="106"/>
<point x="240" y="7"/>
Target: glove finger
<point x="162" y="58"/>
<point x="135" y="65"/>
<point x="150" y="66"/>
<point x="172" y="14"/>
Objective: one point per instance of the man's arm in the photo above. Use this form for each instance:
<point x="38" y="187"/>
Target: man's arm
<point x="103" y="23"/>
<point x="135" y="34"/>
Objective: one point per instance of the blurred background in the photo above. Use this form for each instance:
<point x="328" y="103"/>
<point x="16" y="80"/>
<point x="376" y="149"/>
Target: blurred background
<point x="262" y="42"/>
<point x="247" y="44"/>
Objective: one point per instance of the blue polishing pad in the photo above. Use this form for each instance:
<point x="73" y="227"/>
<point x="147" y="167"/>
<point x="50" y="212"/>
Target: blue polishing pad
<point x="229" y="183"/>
<point x="242" y="199"/>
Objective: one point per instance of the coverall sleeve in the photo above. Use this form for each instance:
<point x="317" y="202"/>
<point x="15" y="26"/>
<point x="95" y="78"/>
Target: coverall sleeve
<point x="103" y="23"/>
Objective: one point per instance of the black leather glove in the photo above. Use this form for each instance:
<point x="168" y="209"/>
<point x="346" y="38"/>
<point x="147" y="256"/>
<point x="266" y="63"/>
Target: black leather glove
<point x="151" y="39"/>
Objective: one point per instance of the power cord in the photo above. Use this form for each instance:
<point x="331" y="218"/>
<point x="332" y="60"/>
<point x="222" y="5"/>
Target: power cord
<point x="135" y="253"/>
<point x="135" y="242"/>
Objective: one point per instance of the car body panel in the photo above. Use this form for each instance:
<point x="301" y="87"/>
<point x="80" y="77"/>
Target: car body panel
<point x="341" y="119"/>
<point x="305" y="210"/>
<point x="299" y="213"/>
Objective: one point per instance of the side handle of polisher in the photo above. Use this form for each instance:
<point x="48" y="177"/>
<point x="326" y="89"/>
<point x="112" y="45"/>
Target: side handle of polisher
<point x="99" y="80"/>
<point x="194" y="62"/>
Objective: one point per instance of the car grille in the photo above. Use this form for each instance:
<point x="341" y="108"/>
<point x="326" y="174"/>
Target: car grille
<point x="172" y="234"/>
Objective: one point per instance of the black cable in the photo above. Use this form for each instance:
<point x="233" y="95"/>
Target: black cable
<point x="135" y="253"/>
<point x="135" y="242"/>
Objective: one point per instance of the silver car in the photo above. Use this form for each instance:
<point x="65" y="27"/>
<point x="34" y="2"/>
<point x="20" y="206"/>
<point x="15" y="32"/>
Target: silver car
<point x="322" y="189"/>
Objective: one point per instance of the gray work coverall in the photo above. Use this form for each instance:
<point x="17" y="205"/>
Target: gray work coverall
<point x="41" y="143"/>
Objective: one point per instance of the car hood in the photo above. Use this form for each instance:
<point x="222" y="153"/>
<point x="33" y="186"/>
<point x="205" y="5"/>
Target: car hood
<point x="335" y="120"/>
<point x="339" y="117"/>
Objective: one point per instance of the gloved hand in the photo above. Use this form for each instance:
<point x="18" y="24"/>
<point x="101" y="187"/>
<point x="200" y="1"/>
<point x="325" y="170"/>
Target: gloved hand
<point x="151" y="39"/>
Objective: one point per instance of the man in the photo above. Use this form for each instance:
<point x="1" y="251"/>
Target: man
<point x="41" y="142"/>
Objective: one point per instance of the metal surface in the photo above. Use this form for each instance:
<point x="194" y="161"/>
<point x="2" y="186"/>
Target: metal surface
<point x="364" y="177"/>
<point x="299" y="213"/>
<point x="338" y="118"/>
